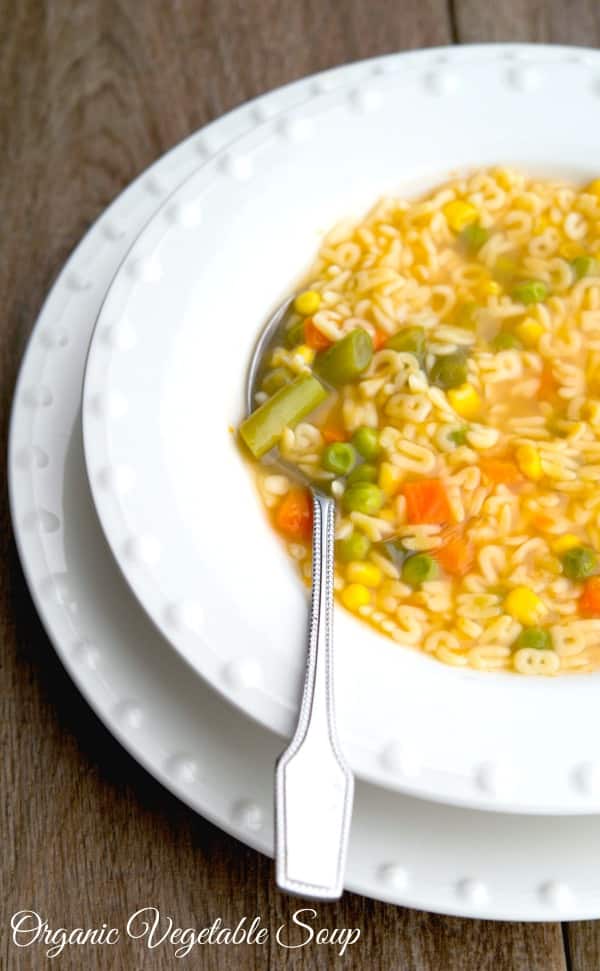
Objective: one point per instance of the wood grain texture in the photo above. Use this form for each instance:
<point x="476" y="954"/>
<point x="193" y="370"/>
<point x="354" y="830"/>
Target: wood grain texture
<point x="582" y="942"/>
<point x="90" y="94"/>
<point x="527" y="21"/>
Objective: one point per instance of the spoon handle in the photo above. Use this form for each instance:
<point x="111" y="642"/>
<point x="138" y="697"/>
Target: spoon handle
<point x="314" y="785"/>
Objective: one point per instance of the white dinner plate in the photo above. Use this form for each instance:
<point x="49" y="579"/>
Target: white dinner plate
<point x="221" y="764"/>
<point x="164" y="386"/>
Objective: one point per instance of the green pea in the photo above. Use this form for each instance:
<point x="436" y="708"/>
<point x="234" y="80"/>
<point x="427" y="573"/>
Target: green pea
<point x="294" y="334"/>
<point x="506" y="341"/>
<point x="363" y="473"/>
<point x="419" y="568"/>
<point x="579" y="563"/>
<point x="473" y="237"/>
<point x="585" y="266"/>
<point x="449" y="370"/>
<point x="276" y="379"/>
<point x="530" y="291"/>
<point x="339" y="458"/>
<point x="535" y="637"/>
<point x="345" y="360"/>
<point x="410" y="340"/>
<point x="363" y="497"/>
<point x="356" y="546"/>
<point x="459" y="435"/>
<point x="366" y="442"/>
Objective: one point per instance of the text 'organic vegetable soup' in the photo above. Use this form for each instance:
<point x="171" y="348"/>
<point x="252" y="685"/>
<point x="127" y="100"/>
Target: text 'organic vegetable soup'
<point x="440" y="376"/>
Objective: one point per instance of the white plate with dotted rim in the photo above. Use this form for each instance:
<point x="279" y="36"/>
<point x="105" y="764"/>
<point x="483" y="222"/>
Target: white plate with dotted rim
<point x="402" y="850"/>
<point x="164" y="383"/>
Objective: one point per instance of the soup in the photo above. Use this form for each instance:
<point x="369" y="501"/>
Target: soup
<point x="439" y="375"/>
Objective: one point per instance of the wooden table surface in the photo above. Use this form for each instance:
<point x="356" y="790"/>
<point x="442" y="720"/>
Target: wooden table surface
<point x="91" y="92"/>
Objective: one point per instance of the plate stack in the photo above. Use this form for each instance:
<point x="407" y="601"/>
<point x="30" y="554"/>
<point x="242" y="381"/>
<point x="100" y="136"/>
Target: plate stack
<point x="168" y="599"/>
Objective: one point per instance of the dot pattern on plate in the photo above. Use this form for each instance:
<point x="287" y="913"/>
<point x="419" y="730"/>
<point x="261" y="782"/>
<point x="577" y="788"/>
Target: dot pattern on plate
<point x="145" y="268"/>
<point x="186" y="616"/>
<point x="186" y="216"/>
<point x="473" y="892"/>
<point x="264" y="111"/>
<point x="142" y="550"/>
<point x="43" y="519"/>
<point x="203" y="148"/>
<point x="87" y="654"/>
<point x="32" y="457"/>
<point x="183" y="767"/>
<point x="119" y="336"/>
<point x="380" y="69"/>
<point x="243" y="672"/>
<point x="298" y="130"/>
<point x="119" y="479"/>
<point x="129" y="713"/>
<point x="494" y="778"/>
<point x="112" y="230"/>
<point x="442" y="82"/>
<point x="366" y="99"/>
<point x="54" y="339"/>
<point x="586" y="778"/>
<point x="77" y="281"/>
<point x="155" y="185"/>
<point x="324" y="84"/>
<point x="247" y="814"/>
<point x="111" y="405"/>
<point x="525" y="79"/>
<point x="57" y="588"/>
<point x="239" y="167"/>
<point x="557" y="895"/>
<point x="38" y="397"/>
<point x="398" y="758"/>
<point x="393" y="875"/>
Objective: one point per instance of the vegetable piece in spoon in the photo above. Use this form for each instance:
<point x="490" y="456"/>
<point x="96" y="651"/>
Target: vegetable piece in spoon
<point x="262" y="429"/>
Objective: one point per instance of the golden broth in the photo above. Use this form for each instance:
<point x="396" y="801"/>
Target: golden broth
<point x="491" y="479"/>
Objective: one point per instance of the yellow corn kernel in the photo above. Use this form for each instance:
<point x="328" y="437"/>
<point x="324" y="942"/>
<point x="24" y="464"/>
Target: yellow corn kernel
<point x="593" y="188"/>
<point x="566" y="542"/>
<point x="569" y="250"/>
<point x="306" y="353"/>
<point x="550" y="564"/>
<point x="388" y="514"/>
<point x="529" y="462"/>
<point x="503" y="178"/>
<point x="530" y="331"/>
<point x="490" y="288"/>
<point x="525" y="606"/>
<point x="465" y="400"/>
<point x="307" y="303"/>
<point x="460" y="214"/>
<point x="355" y="595"/>
<point x="390" y="477"/>
<point x="364" y="573"/>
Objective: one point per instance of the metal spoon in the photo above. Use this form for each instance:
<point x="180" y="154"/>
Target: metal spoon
<point x="314" y="785"/>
